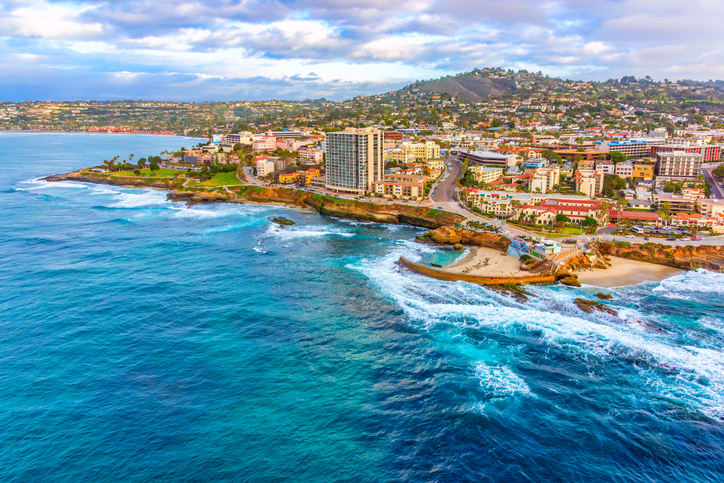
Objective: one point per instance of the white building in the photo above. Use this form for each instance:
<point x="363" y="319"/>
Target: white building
<point x="264" y="167"/>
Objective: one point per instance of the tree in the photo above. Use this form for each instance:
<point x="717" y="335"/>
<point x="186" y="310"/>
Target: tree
<point x="154" y="167"/>
<point x="719" y="171"/>
<point x="589" y="221"/>
<point x="617" y="157"/>
<point x="611" y="184"/>
<point x="141" y="163"/>
<point x="561" y="218"/>
<point x="666" y="208"/>
<point x="550" y="155"/>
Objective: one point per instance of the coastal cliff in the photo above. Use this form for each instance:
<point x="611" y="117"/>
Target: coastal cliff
<point x="710" y="257"/>
<point x="328" y="205"/>
<point x="451" y="235"/>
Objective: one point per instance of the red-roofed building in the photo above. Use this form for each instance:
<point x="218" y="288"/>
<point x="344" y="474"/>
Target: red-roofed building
<point x="575" y="209"/>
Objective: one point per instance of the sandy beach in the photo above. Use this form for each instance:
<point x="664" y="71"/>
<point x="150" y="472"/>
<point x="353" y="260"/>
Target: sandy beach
<point x="486" y="262"/>
<point x="626" y="272"/>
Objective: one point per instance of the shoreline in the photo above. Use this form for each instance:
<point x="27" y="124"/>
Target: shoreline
<point x="624" y="272"/>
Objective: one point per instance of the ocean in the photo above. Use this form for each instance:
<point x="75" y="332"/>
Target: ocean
<point x="143" y="340"/>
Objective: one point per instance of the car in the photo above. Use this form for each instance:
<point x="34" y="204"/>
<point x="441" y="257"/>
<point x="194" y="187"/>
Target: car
<point x="630" y="236"/>
<point x="646" y="238"/>
<point x="696" y="238"/>
<point x="673" y="238"/>
<point x="440" y="208"/>
<point x="686" y="238"/>
<point x="570" y="242"/>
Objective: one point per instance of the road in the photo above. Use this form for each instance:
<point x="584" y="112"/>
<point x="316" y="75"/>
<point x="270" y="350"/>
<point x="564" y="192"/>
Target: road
<point x="716" y="189"/>
<point x="445" y="189"/>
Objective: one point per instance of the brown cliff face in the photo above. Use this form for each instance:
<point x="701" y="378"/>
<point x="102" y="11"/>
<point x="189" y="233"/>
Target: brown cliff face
<point x="328" y="205"/>
<point x="450" y="235"/>
<point x="710" y="257"/>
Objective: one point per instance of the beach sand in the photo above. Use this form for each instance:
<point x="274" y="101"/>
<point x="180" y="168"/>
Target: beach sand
<point x="626" y="272"/>
<point x="486" y="262"/>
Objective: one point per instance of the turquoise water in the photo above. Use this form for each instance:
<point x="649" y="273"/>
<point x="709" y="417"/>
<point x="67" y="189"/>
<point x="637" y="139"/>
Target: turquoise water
<point x="141" y="340"/>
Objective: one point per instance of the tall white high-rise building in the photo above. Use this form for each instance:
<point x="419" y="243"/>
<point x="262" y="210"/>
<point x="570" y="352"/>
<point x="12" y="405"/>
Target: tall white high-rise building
<point x="355" y="159"/>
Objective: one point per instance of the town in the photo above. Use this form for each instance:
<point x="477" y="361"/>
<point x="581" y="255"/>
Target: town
<point x="512" y="151"/>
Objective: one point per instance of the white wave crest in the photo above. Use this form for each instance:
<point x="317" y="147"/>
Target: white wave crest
<point x="499" y="382"/>
<point x="554" y="316"/>
<point x="138" y="199"/>
<point x="688" y="284"/>
<point x="290" y="233"/>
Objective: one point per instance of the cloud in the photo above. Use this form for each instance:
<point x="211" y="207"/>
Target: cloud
<point x="221" y="48"/>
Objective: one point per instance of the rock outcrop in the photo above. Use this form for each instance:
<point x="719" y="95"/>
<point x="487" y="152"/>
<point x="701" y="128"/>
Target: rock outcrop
<point x="590" y="306"/>
<point x="450" y="235"/>
<point x="710" y="257"/>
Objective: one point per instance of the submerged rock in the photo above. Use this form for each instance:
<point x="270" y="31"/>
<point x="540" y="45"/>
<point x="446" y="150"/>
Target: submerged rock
<point x="589" y="306"/>
<point x="604" y="296"/>
<point x="283" y="221"/>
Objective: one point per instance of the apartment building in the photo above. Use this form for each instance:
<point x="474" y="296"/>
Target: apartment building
<point x="267" y="143"/>
<point x="414" y="152"/>
<point x="677" y="164"/>
<point x="354" y="159"/>
<point x="264" y="167"/>
<point x="632" y="149"/>
<point x="486" y="174"/>
<point x="624" y="170"/>
<point x="605" y="167"/>
<point x="544" y="179"/>
<point x="643" y="171"/>
<point x="311" y="154"/>
<point x="708" y="153"/>
<point x="403" y="186"/>
<point x="589" y="182"/>
<point x="486" y="157"/>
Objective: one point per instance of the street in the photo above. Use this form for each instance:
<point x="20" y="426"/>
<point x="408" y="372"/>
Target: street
<point x="716" y="189"/>
<point x="445" y="189"/>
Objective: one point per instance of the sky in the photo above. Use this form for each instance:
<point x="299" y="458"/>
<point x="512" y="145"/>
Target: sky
<point x="219" y="50"/>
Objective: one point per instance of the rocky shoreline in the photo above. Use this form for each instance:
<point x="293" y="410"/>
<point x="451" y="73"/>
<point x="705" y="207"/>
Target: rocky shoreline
<point x="393" y="213"/>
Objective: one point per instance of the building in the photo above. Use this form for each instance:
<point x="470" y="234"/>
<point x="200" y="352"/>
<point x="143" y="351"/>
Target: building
<point x="632" y="149"/>
<point x="286" y="133"/>
<point x="545" y="179"/>
<point x="677" y="164"/>
<point x="406" y="187"/>
<point x="589" y="182"/>
<point x="311" y="154"/>
<point x="536" y="163"/>
<point x="624" y="170"/>
<point x="675" y="202"/>
<point x="245" y="138"/>
<point x="486" y="157"/>
<point x="354" y="159"/>
<point x="575" y="209"/>
<point x="299" y="177"/>
<point x="486" y="174"/>
<point x="605" y="167"/>
<point x="708" y="153"/>
<point x="264" y="167"/>
<point x="643" y="171"/>
<point x="267" y="143"/>
<point x="414" y="153"/>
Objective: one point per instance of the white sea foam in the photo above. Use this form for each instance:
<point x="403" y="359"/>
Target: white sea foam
<point x="553" y="315"/>
<point x="139" y="198"/>
<point x="499" y="382"/>
<point x="290" y="233"/>
<point x="688" y="284"/>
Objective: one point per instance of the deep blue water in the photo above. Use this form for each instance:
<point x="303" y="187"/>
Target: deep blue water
<point x="141" y="340"/>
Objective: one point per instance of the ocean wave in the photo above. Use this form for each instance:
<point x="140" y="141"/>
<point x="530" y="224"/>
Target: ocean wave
<point x="500" y="382"/>
<point x="290" y="233"/>
<point x="553" y="316"/>
<point x="139" y="199"/>
<point x="689" y="285"/>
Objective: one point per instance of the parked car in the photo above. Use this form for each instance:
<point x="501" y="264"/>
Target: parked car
<point x="686" y="238"/>
<point x="646" y="238"/>
<point x="673" y="238"/>
<point x="696" y="238"/>
<point x="630" y="236"/>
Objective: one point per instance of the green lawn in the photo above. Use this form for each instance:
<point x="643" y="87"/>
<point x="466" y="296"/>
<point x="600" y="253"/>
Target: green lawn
<point x="161" y="173"/>
<point x="563" y="232"/>
<point x="222" y="179"/>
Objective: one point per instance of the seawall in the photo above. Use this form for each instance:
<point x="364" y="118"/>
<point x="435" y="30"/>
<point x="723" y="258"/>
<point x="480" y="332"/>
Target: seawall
<point x="453" y="277"/>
